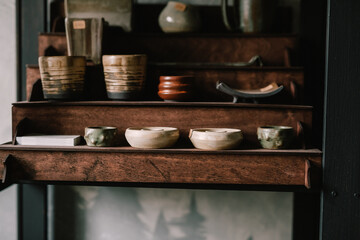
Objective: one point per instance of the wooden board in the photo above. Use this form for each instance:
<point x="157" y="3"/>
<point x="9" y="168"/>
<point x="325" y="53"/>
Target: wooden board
<point x="129" y="165"/>
<point x="187" y="47"/>
<point x="203" y="48"/>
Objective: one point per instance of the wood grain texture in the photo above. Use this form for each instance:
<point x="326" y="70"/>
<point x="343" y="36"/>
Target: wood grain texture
<point x="204" y="48"/>
<point x="67" y="118"/>
<point x="150" y="167"/>
<point x="188" y="47"/>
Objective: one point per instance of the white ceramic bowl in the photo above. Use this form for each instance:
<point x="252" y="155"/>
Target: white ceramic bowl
<point x="216" y="138"/>
<point x="152" y="137"/>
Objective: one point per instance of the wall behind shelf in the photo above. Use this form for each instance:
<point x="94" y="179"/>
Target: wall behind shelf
<point x="8" y="203"/>
<point x="294" y="5"/>
<point x="101" y="213"/>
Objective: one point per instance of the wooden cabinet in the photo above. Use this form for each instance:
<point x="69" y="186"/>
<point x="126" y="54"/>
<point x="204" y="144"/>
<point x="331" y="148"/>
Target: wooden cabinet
<point x="252" y="165"/>
<point x="210" y="58"/>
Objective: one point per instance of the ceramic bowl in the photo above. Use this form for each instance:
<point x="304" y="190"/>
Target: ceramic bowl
<point x="216" y="138"/>
<point x="152" y="137"/>
<point x="275" y="137"/>
<point x="100" y="136"/>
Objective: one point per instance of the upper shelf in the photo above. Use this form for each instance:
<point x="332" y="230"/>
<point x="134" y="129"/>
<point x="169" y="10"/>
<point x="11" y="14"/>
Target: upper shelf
<point x="162" y="104"/>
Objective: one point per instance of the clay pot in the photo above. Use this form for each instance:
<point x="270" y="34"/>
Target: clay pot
<point x="176" y="88"/>
<point x="178" y="17"/>
<point x="152" y="137"/>
<point x="275" y="137"/>
<point x="100" y="136"/>
<point x="124" y="75"/>
<point x="216" y="138"/>
<point x="62" y="77"/>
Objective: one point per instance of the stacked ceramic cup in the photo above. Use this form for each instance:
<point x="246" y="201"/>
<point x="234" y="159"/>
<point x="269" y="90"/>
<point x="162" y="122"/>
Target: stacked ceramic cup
<point x="176" y="88"/>
<point x="124" y="75"/>
<point x="62" y="77"/>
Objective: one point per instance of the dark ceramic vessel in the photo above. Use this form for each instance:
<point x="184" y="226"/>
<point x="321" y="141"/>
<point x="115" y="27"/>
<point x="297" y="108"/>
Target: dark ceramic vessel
<point x="176" y="88"/>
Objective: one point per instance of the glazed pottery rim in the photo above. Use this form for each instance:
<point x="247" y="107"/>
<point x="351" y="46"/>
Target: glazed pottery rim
<point x="275" y="127"/>
<point x="176" y="76"/>
<point x="123" y="55"/>
<point x="62" y="57"/>
<point x="101" y="128"/>
<point x="152" y="129"/>
<point x="216" y="130"/>
<point x="176" y="2"/>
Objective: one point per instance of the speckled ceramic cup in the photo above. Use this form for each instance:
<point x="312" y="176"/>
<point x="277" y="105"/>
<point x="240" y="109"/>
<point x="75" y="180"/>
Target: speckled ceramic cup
<point x="275" y="137"/>
<point x="100" y="136"/>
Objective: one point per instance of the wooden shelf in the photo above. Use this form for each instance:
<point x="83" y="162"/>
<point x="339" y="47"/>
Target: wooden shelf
<point x="206" y="76"/>
<point x="72" y="117"/>
<point x="161" y="104"/>
<point x="180" y="165"/>
<point x="185" y="166"/>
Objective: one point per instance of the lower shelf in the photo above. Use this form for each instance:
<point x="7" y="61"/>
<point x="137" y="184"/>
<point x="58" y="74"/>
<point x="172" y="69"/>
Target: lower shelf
<point x="173" y="166"/>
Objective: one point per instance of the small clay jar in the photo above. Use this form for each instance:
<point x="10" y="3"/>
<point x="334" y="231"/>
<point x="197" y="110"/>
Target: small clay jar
<point x="178" y="17"/>
<point x="100" y="136"/>
<point x="275" y="137"/>
<point x="176" y="88"/>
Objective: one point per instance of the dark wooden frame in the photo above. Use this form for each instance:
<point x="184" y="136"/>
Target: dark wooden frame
<point x="340" y="198"/>
<point x="341" y="183"/>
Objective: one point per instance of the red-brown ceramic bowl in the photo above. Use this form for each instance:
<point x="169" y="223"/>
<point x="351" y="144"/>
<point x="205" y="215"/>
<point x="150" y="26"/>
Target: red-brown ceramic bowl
<point x="176" y="88"/>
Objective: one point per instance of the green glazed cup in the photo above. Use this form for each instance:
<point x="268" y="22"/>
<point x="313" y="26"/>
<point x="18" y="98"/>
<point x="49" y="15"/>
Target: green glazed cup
<point x="100" y="136"/>
<point x="275" y="137"/>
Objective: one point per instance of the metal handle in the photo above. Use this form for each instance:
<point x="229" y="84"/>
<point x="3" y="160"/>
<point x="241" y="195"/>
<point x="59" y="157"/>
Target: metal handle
<point x="225" y="15"/>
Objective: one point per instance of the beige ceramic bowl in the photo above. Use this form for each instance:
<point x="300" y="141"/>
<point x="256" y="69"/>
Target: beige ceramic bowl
<point x="152" y="137"/>
<point x="216" y="138"/>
